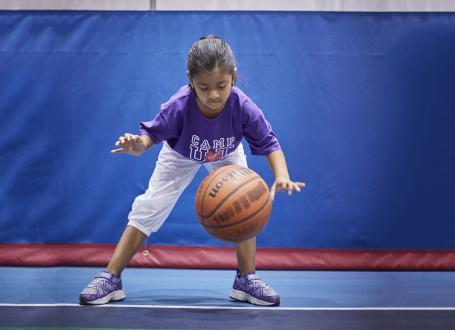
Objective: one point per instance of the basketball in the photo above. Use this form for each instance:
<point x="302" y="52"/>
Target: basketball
<point x="233" y="203"/>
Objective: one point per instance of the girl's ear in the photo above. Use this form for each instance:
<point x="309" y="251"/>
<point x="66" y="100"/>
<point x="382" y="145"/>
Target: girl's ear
<point x="234" y="76"/>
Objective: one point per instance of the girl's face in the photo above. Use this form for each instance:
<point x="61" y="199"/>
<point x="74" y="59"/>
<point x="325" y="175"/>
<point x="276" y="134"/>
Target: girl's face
<point x="212" y="89"/>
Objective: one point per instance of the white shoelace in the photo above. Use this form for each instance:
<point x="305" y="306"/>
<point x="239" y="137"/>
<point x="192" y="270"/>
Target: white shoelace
<point x="95" y="282"/>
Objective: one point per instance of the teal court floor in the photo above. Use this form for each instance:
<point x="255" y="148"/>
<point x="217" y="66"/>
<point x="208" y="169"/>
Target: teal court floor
<point x="47" y="298"/>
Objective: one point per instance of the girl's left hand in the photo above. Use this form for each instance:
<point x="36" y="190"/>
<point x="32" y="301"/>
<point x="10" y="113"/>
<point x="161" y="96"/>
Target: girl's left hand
<point x="285" y="184"/>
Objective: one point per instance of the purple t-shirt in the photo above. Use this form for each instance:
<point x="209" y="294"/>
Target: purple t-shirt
<point x="191" y="134"/>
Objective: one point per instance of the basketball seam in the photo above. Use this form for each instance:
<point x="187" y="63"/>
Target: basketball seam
<point x="201" y="214"/>
<point x="257" y="177"/>
<point x="245" y="219"/>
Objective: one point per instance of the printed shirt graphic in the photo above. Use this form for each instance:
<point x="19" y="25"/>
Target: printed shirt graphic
<point x="191" y="134"/>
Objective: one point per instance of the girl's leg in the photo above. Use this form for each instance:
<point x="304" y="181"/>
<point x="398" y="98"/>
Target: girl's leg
<point x="171" y="176"/>
<point x="129" y="243"/>
<point x="247" y="285"/>
<point x="246" y="256"/>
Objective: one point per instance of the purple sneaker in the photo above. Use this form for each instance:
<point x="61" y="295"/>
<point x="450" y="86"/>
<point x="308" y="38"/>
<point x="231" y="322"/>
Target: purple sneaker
<point x="103" y="288"/>
<point x="252" y="289"/>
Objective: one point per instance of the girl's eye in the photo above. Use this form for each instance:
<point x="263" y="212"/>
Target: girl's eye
<point x="202" y="88"/>
<point x="222" y="86"/>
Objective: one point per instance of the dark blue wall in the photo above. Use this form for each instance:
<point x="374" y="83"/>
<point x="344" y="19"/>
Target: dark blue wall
<point x="363" y="105"/>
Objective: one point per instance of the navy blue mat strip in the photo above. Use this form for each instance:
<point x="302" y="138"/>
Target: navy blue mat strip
<point x="176" y="318"/>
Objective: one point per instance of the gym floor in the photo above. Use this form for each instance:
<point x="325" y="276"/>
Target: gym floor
<point x="47" y="298"/>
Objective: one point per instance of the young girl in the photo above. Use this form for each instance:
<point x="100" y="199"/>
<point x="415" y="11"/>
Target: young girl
<point x="203" y="123"/>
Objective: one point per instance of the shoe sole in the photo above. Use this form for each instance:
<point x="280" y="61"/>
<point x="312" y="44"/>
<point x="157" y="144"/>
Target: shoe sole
<point x="113" y="296"/>
<point x="243" y="296"/>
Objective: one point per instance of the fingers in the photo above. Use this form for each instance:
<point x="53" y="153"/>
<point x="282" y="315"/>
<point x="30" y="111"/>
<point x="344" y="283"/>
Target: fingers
<point x="127" y="138"/>
<point x="272" y="191"/>
<point x="297" y="185"/>
<point x="286" y="185"/>
<point x="116" y="151"/>
<point x="125" y="142"/>
<point x="294" y="186"/>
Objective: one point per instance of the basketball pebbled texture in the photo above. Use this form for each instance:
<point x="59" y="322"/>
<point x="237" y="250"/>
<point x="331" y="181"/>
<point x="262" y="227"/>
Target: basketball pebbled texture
<point x="233" y="203"/>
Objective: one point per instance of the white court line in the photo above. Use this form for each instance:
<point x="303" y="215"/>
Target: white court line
<point x="242" y="308"/>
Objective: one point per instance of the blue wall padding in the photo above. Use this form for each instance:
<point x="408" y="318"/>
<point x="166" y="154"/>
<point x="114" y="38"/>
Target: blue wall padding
<point x="363" y="105"/>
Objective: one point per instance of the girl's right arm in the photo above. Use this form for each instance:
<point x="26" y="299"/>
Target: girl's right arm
<point x="133" y="144"/>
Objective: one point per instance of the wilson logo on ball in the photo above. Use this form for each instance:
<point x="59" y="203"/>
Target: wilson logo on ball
<point x="232" y="176"/>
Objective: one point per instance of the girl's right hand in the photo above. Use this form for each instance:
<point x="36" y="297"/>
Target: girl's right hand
<point x="131" y="144"/>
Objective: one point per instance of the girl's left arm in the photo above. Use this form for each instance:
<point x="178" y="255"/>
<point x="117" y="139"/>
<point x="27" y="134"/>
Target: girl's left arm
<point x="282" y="182"/>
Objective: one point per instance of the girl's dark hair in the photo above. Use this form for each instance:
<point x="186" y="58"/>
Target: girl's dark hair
<point x="210" y="52"/>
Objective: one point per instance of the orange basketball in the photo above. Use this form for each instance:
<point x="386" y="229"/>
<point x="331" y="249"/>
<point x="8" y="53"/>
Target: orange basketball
<point x="233" y="203"/>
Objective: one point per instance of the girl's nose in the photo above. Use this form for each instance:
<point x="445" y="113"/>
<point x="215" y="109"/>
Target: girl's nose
<point x="213" y="95"/>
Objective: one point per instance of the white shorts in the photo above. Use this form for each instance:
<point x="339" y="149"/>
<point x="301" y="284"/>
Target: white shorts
<point x="172" y="174"/>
